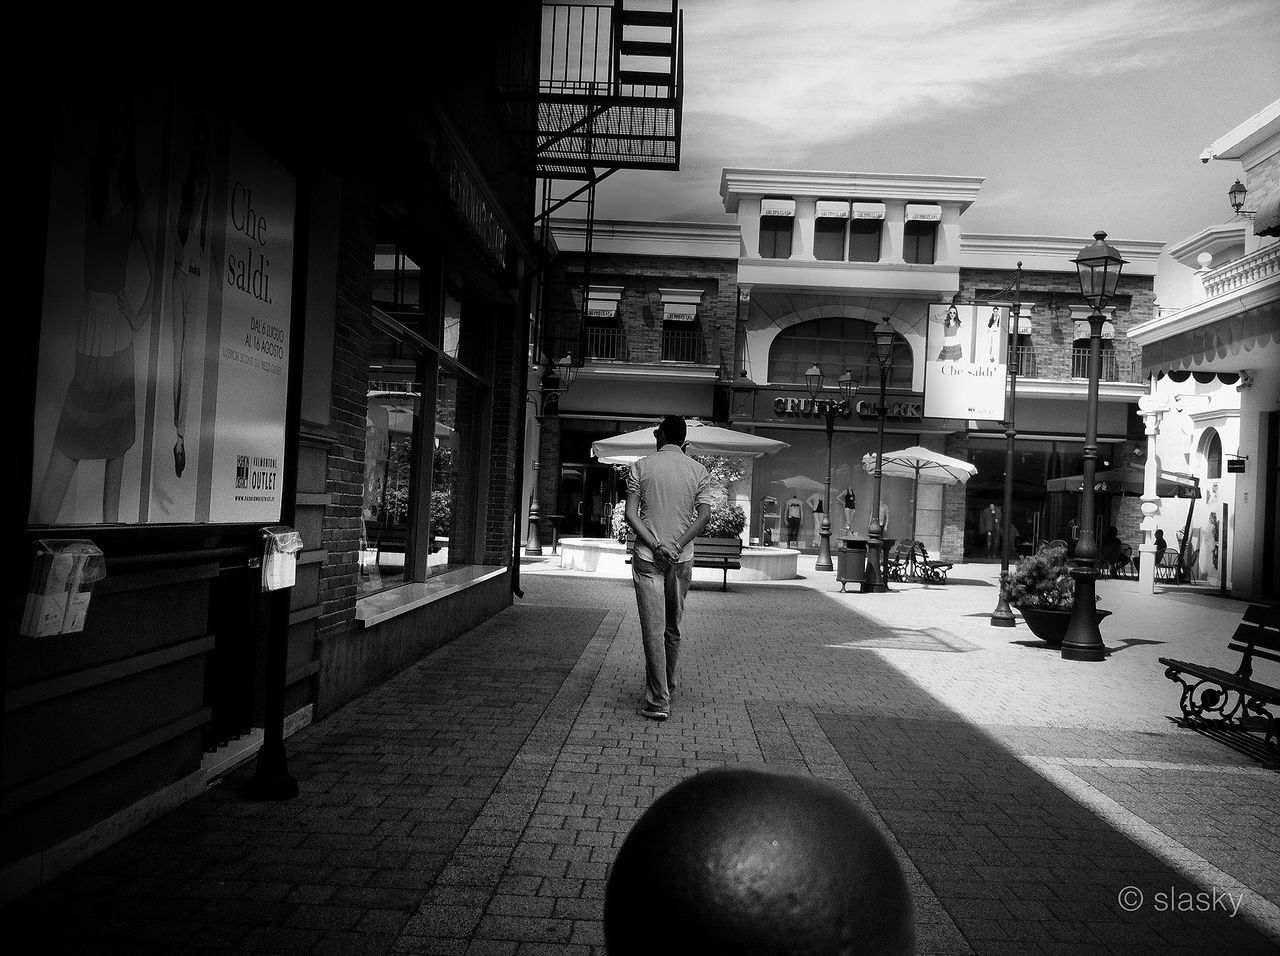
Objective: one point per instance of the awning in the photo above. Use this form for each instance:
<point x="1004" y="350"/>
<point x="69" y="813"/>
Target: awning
<point x="602" y="301"/>
<point x="679" y="312"/>
<point x="1267" y="221"/>
<point x="1082" y="330"/>
<point x="921" y="212"/>
<point x="1024" y="324"/>
<point x="777" y="207"/>
<point x="832" y="209"/>
<point x="1226" y="342"/>
<point x="868" y="210"/>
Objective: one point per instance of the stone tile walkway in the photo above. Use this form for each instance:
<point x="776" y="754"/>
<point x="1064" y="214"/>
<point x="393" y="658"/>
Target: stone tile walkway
<point x="474" y="803"/>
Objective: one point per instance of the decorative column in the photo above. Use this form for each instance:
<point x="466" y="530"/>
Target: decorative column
<point x="1152" y="408"/>
<point x="806" y="216"/>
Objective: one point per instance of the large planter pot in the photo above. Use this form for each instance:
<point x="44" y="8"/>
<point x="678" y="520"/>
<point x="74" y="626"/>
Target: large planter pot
<point x="1050" y="624"/>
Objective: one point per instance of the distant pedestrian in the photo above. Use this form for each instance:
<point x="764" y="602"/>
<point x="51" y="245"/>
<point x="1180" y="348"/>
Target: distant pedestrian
<point x="668" y="504"/>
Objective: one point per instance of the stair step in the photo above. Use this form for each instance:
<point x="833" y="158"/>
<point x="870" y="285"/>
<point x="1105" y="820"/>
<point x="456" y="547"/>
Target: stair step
<point x="646" y="18"/>
<point x="646" y="48"/>
<point x="644" y="78"/>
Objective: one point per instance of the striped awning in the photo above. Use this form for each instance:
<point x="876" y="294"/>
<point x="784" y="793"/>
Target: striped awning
<point x="1267" y="221"/>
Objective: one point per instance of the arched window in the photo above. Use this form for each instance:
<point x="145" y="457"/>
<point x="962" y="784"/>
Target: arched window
<point x="835" y="344"/>
<point x="1213" y="457"/>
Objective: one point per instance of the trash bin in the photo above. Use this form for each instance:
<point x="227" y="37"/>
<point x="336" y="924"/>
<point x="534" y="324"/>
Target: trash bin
<point x="851" y="565"/>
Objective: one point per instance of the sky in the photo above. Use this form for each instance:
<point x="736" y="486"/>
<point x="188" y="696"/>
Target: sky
<point x="1080" y="115"/>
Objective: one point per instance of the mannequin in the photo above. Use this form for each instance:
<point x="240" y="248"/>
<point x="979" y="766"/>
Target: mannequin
<point x="814" y="502"/>
<point x="792" y="511"/>
<point x="849" y="501"/>
<point x="989" y="528"/>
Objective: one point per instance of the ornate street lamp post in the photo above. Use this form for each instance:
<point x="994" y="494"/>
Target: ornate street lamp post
<point x="555" y="381"/>
<point x="885" y="336"/>
<point x="813" y="381"/>
<point x="1099" y="268"/>
<point x="1002" y="616"/>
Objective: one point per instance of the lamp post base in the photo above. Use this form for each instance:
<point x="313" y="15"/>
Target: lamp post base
<point x="1084" y="641"/>
<point x="824" y="550"/>
<point x="874" y="581"/>
<point x="1002" y="616"/>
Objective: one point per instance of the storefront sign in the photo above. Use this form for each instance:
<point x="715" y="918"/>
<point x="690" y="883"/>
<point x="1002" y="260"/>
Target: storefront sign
<point x="164" y="339"/>
<point x="484" y="224"/>
<point x="965" y="362"/>
<point x="808" y="408"/>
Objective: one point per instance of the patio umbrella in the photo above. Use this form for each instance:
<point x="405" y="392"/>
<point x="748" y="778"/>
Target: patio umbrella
<point x="920" y="464"/>
<point x="802" y="483"/>
<point x="700" y="440"/>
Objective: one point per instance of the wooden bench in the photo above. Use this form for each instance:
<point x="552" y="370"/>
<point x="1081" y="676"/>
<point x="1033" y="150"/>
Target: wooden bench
<point x="1212" y="697"/>
<point x="723" y="554"/>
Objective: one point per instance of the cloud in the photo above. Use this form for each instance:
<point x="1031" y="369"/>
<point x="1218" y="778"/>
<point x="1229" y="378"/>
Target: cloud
<point x="804" y="71"/>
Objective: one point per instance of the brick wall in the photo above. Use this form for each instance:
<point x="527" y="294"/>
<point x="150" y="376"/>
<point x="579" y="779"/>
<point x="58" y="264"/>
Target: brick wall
<point x="953" y="498"/>
<point x="345" y="480"/>
<point x="1053" y="330"/>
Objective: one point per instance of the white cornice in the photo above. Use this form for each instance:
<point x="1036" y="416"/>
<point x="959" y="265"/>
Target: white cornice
<point x="1213" y="239"/>
<point x="1050" y="253"/>
<point x="738" y="182"/>
<point x="1079" y="388"/>
<point x="1259" y="131"/>
<point x="716" y="240"/>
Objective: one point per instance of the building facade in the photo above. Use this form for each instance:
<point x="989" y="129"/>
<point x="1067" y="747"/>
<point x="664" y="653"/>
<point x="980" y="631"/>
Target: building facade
<point x="1214" y="371"/>
<point x="813" y="264"/>
<point x="304" y="310"/>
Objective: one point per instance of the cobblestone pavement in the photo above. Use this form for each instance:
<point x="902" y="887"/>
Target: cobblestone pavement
<point x="474" y="803"/>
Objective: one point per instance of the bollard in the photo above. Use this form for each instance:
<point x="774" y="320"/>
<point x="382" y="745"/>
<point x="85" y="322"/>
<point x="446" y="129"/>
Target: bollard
<point x="750" y="861"/>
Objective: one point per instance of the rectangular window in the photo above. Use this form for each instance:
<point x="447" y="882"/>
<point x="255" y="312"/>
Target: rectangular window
<point x="775" y="237"/>
<point x="864" y="240"/>
<point x="919" y="241"/>
<point x="828" y="239"/>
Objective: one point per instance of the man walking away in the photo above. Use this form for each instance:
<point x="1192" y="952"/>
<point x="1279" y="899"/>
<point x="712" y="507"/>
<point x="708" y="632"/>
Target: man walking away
<point x="668" y="505"/>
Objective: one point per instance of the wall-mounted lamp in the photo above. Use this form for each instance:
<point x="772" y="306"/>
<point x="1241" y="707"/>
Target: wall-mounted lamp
<point x="1236" y="194"/>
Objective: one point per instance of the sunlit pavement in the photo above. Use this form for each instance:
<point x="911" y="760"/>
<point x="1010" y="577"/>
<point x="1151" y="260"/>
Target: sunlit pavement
<point x="475" y="802"/>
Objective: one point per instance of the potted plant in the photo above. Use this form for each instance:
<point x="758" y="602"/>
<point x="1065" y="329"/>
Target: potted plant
<point x="1042" y="588"/>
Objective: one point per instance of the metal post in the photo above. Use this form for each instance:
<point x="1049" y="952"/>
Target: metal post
<point x="1222" y="556"/>
<point x="824" y="533"/>
<point x="875" y="532"/>
<point x="1083" y="641"/>
<point x="1002" y="616"/>
<point x="533" y="544"/>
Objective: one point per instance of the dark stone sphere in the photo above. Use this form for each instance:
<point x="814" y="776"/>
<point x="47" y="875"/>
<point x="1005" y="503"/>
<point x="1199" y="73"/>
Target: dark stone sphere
<point x="756" y="863"/>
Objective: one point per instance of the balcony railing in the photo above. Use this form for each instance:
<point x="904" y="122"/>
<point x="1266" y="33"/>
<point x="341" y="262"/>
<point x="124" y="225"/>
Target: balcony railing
<point x="1114" y="369"/>
<point x="682" y="345"/>
<point x="605" y="344"/>
<point x="1024" y="361"/>
<point x="1244" y="271"/>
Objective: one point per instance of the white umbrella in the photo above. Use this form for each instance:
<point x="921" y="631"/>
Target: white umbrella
<point x="920" y="464"/>
<point x="700" y="440"/>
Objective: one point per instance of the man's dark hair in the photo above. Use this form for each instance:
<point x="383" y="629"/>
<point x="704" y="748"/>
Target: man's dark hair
<point x="673" y="429"/>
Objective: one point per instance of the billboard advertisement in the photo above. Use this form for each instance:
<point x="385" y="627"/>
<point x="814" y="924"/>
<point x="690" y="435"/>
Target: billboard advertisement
<point x="164" y="336"/>
<point x="965" y="362"/>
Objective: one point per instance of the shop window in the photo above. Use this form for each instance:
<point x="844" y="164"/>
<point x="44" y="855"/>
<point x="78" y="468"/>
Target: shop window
<point x="828" y="239"/>
<point x="919" y="242"/>
<point x="775" y="237"/>
<point x="427" y="398"/>
<point x="864" y="240"/>
<point x="835" y="344"/>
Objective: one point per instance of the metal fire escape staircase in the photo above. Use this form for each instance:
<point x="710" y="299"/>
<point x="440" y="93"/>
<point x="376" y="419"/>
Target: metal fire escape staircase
<point x="609" y="96"/>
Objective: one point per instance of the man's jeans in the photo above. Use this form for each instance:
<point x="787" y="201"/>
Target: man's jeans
<point x="660" y="593"/>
